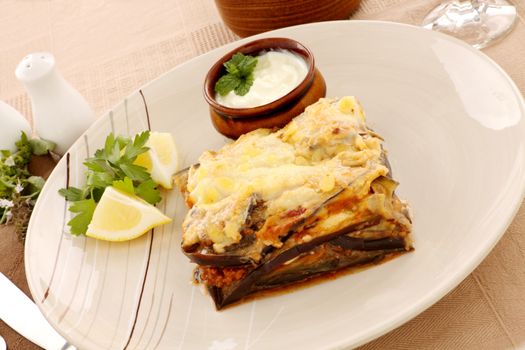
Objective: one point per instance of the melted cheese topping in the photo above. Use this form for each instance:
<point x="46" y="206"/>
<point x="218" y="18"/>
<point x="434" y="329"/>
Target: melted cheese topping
<point x="319" y="153"/>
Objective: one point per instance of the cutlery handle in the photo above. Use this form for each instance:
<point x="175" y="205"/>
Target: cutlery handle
<point x="21" y="314"/>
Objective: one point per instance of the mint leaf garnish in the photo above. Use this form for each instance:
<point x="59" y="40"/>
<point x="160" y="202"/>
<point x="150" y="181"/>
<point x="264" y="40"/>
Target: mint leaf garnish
<point x="239" y="77"/>
<point x="243" y="88"/>
<point x="226" y="84"/>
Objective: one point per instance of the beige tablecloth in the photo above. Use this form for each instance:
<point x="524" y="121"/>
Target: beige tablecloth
<point x="106" y="49"/>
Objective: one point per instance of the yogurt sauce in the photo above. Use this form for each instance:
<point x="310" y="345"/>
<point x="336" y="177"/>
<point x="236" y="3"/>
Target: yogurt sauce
<point x="276" y="74"/>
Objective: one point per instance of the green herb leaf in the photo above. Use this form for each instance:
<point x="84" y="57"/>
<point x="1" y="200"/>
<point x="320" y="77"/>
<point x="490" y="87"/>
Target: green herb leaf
<point x="137" y="147"/>
<point x="247" y="65"/>
<point x="243" y="88"/>
<point x="36" y="183"/>
<point x="235" y="61"/>
<point x="98" y="165"/>
<point x="135" y="172"/>
<point x="41" y="147"/>
<point x="239" y="77"/>
<point x="232" y="68"/>
<point x="226" y="84"/>
<point x="24" y="140"/>
<point x="125" y="185"/>
<point x="100" y="180"/>
<point x="111" y="166"/>
<point x="112" y="149"/>
<point x="123" y="141"/>
<point x="72" y="194"/>
<point x="18" y="189"/>
<point x="84" y="209"/>
<point x="23" y="154"/>
<point x="149" y="192"/>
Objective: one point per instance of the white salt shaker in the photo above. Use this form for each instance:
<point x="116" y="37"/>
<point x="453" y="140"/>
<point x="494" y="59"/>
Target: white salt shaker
<point x="12" y="123"/>
<point x="60" y="112"/>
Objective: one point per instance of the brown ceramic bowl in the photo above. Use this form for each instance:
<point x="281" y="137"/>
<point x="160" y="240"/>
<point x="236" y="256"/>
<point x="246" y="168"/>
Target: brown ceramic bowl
<point x="249" y="17"/>
<point x="233" y="122"/>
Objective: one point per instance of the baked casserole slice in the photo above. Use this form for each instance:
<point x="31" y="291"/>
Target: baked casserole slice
<point x="280" y="207"/>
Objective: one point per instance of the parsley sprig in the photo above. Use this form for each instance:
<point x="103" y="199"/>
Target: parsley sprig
<point x="19" y="189"/>
<point x="112" y="165"/>
<point x="239" y="77"/>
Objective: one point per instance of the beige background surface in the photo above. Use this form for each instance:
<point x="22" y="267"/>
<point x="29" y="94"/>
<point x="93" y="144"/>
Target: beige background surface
<point x="107" y="49"/>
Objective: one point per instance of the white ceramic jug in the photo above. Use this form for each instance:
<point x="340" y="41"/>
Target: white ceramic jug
<point x="60" y="112"/>
<point x="12" y="123"/>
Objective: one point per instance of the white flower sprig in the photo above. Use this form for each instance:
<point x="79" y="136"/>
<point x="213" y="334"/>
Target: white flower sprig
<point x="19" y="188"/>
<point x="6" y="204"/>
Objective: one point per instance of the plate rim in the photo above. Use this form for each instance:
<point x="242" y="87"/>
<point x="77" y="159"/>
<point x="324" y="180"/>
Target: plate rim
<point x="437" y="292"/>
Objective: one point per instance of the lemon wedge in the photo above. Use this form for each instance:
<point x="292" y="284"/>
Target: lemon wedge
<point x="120" y="216"/>
<point x="161" y="159"/>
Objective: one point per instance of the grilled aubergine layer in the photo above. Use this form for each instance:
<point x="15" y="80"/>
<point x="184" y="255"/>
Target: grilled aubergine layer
<point x="357" y="221"/>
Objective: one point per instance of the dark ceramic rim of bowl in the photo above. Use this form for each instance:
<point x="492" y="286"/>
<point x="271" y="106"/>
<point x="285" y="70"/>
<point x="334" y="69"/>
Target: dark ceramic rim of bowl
<point x="254" y="47"/>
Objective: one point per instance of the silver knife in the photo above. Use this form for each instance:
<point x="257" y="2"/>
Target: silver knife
<point x="21" y="314"/>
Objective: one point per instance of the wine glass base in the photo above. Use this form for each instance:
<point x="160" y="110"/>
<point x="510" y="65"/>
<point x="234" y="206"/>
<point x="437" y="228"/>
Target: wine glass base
<point x="479" y="23"/>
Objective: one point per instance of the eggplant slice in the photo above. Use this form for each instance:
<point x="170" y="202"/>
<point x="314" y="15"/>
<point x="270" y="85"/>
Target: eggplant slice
<point x="274" y="209"/>
<point x="303" y="264"/>
<point x="299" y="260"/>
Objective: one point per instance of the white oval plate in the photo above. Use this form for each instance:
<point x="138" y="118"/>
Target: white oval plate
<point x="453" y="125"/>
